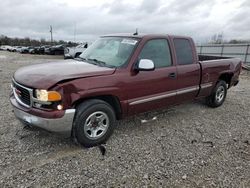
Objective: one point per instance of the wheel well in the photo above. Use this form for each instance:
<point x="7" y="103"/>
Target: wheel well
<point x="226" y="77"/>
<point x="110" y="99"/>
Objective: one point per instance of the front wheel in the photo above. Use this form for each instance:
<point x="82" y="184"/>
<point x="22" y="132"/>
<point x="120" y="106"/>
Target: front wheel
<point x="94" y="123"/>
<point x="218" y="95"/>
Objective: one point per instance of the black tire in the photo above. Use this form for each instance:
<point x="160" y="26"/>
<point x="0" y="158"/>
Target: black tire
<point x="218" y="95"/>
<point x="85" y="111"/>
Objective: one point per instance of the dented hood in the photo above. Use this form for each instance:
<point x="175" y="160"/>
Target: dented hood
<point x="44" y="76"/>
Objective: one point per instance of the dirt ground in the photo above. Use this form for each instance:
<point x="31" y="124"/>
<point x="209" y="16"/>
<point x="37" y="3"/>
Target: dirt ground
<point x="190" y="145"/>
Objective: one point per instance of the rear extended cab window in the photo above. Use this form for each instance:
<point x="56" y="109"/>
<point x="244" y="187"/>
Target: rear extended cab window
<point x="184" y="52"/>
<point x="158" y="51"/>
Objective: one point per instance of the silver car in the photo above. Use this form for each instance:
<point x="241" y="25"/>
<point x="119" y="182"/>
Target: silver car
<point x="74" y="52"/>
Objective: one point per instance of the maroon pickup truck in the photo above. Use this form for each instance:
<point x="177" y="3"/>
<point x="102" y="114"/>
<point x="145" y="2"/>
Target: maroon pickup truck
<point x="118" y="76"/>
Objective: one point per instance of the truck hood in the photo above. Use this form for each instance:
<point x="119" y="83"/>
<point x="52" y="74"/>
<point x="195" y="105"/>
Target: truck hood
<point x="44" y="76"/>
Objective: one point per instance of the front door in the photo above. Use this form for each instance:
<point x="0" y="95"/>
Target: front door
<point x="153" y="89"/>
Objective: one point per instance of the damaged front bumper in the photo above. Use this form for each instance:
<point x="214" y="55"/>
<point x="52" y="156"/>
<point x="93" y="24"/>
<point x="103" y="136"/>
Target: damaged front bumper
<point x="53" y="123"/>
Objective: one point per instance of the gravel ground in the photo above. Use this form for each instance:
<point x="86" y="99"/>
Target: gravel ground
<point x="190" y="145"/>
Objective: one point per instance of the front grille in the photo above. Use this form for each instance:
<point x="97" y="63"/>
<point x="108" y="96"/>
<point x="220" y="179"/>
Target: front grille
<point x="22" y="93"/>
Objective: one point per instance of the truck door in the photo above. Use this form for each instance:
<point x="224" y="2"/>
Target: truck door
<point x="153" y="89"/>
<point x="188" y="69"/>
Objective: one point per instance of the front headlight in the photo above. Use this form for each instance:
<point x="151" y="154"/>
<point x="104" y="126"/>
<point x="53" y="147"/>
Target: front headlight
<point x="44" y="95"/>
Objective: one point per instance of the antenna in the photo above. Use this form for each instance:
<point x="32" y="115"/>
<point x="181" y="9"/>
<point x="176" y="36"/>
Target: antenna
<point x="136" y="32"/>
<point x="51" y="34"/>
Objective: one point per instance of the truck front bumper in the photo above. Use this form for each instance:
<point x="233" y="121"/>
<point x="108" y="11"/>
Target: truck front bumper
<point x="59" y="121"/>
<point x="61" y="125"/>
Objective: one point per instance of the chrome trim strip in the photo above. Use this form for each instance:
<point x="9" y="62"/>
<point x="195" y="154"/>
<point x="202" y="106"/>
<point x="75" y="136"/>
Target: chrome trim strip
<point x="169" y="94"/>
<point x="153" y="98"/>
<point x="21" y="85"/>
<point x="206" y="85"/>
<point x="190" y="89"/>
<point x="68" y="111"/>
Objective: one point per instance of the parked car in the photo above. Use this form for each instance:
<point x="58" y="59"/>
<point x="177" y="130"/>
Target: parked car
<point x="118" y="76"/>
<point x="18" y="48"/>
<point x="5" y="47"/>
<point x="35" y="50"/>
<point x="43" y="48"/>
<point x="55" y="50"/>
<point x="10" y="48"/>
<point x="14" y="48"/>
<point x="74" y="52"/>
<point x="31" y="50"/>
<point x="24" y="50"/>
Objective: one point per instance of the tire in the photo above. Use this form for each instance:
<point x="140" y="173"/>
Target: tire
<point x="218" y="95"/>
<point x="94" y="123"/>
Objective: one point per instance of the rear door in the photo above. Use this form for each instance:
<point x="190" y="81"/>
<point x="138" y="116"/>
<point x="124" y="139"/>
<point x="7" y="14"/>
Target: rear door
<point x="153" y="89"/>
<point x="188" y="69"/>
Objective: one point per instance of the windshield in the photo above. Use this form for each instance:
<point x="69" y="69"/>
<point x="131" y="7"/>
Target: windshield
<point x="110" y="51"/>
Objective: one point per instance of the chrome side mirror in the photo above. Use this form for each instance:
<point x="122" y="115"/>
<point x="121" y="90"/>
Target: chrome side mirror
<point x="146" y="65"/>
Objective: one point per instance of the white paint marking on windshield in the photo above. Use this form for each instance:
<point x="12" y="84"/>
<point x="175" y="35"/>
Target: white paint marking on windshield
<point x="129" y="41"/>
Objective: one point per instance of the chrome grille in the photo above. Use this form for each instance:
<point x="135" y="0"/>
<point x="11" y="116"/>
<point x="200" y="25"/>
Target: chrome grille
<point x="22" y="94"/>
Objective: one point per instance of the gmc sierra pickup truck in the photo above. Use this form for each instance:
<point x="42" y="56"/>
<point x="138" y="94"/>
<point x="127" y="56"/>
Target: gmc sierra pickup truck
<point x="118" y="76"/>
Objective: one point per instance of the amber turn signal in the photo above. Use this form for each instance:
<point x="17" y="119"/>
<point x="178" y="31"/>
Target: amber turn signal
<point x="54" y="96"/>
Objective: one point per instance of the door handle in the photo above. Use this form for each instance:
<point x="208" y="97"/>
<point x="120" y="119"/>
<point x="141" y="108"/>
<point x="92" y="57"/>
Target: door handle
<point x="172" y="75"/>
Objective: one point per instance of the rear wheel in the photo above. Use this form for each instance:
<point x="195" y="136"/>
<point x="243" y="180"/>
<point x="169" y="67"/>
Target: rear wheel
<point x="218" y="95"/>
<point x="94" y="123"/>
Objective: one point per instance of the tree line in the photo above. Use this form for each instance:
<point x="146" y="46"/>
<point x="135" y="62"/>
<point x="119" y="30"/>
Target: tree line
<point x="5" y="40"/>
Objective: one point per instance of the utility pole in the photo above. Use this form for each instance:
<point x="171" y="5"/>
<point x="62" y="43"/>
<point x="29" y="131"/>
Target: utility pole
<point x="51" y="34"/>
<point x="75" y="33"/>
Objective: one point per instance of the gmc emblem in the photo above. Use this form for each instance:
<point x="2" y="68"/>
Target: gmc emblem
<point x="18" y="92"/>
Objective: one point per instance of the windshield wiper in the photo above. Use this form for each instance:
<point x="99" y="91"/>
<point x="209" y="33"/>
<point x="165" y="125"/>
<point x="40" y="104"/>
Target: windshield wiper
<point x="81" y="58"/>
<point x="98" y="61"/>
<point x="94" y="61"/>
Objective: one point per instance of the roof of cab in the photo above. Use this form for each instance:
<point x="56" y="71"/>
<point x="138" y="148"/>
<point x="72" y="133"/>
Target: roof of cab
<point x="129" y="35"/>
<point x="141" y="35"/>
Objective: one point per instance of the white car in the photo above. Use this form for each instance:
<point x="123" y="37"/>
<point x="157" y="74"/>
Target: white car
<point x="5" y="47"/>
<point x="74" y="52"/>
<point x="18" y="48"/>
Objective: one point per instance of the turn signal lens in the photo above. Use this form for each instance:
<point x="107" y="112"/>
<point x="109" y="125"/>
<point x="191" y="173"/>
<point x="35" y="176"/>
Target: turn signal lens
<point x="44" y="95"/>
<point x="54" y="96"/>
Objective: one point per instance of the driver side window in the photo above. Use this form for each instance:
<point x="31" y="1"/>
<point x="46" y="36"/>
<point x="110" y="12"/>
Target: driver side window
<point x="158" y="51"/>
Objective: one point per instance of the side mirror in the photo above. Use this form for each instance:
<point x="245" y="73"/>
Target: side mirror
<point x="145" y="65"/>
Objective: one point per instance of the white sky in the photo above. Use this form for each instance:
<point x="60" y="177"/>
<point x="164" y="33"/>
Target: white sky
<point x="197" y="18"/>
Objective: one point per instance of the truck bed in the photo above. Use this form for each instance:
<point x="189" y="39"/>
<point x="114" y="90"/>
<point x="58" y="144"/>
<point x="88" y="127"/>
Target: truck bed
<point x="208" y="57"/>
<point x="214" y="67"/>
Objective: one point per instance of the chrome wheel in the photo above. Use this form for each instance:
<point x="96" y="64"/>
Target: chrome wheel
<point x="220" y="93"/>
<point x="96" y="125"/>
